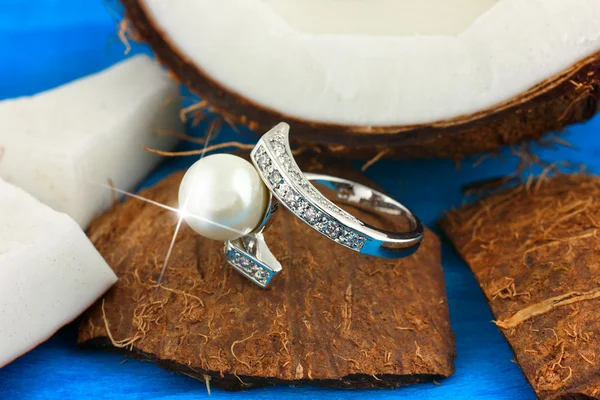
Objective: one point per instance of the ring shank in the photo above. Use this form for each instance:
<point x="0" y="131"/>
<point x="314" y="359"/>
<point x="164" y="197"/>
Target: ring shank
<point x="381" y="243"/>
<point x="275" y="163"/>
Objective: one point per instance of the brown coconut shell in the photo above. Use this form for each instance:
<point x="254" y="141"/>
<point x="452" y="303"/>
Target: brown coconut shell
<point x="332" y="318"/>
<point x="535" y="251"/>
<point x="568" y="97"/>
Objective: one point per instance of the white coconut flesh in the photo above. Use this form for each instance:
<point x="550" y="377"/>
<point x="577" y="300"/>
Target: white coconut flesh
<point x="379" y="62"/>
<point x="64" y="145"/>
<point x="49" y="272"/>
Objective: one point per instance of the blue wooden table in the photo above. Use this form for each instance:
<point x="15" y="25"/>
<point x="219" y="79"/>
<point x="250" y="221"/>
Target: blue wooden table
<point x="44" y="43"/>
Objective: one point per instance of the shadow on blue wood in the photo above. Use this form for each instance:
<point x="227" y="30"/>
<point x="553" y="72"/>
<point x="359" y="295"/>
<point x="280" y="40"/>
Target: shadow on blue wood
<point x="46" y="43"/>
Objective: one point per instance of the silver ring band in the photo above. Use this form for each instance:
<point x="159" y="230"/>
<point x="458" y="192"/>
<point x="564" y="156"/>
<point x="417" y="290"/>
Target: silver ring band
<point x="379" y="242"/>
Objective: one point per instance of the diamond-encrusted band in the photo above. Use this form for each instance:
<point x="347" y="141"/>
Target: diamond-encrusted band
<point x="299" y="196"/>
<point x="249" y="266"/>
<point x="275" y="163"/>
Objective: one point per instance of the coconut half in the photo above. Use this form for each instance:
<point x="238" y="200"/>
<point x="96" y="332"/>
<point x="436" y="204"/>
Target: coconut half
<point x="386" y="72"/>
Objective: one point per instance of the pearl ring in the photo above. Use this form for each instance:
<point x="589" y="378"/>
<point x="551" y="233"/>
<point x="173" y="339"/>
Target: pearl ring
<point x="224" y="197"/>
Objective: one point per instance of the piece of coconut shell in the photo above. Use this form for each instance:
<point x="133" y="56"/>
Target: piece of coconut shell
<point x="332" y="318"/>
<point x="568" y="97"/>
<point x="535" y="251"/>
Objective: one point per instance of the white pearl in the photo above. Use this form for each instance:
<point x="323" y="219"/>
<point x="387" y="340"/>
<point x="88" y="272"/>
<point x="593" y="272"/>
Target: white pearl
<point x="222" y="197"/>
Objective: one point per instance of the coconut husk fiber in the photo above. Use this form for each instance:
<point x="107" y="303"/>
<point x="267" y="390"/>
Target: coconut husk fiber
<point x="570" y="96"/>
<point x="535" y="251"/>
<point x="332" y="318"/>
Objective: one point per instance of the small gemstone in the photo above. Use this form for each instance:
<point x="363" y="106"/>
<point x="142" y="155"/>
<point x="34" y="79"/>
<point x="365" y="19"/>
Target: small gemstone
<point x="254" y="268"/>
<point x="320" y="223"/>
<point x="311" y="215"/>
<point x="299" y="205"/>
<point x="261" y="275"/>
<point x="245" y="263"/>
<point x="348" y="238"/>
<point x="275" y="177"/>
<point x="359" y="243"/>
<point x="286" y="162"/>
<point x="278" y="147"/>
<point x="277" y="137"/>
<point x="290" y="197"/>
<point x="332" y="229"/>
<point x="263" y="160"/>
<point x="282" y="189"/>
<point x="297" y="176"/>
<point x="354" y="241"/>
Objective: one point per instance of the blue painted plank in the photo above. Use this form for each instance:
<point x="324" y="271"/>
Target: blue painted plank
<point x="46" y="43"/>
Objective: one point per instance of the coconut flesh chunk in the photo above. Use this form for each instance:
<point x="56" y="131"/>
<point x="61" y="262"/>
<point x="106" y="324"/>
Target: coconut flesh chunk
<point x="377" y="67"/>
<point x="49" y="272"/>
<point x="62" y="146"/>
